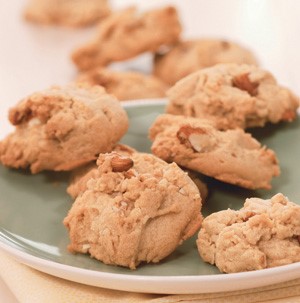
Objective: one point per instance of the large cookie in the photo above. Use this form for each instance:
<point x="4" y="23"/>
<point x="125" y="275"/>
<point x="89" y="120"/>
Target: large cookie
<point x="138" y="209"/>
<point x="187" y="57"/>
<point x="262" y="234"/>
<point x="66" y="12"/>
<point x="233" y="95"/>
<point x="126" y="34"/>
<point x="125" y="85"/>
<point x="231" y="156"/>
<point x="62" y="128"/>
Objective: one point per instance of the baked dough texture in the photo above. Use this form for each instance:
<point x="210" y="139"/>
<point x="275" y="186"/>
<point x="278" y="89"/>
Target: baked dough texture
<point x="232" y="96"/>
<point x="126" y="34"/>
<point x="231" y="156"/>
<point x="262" y="234"/>
<point x="73" y="13"/>
<point x="139" y="209"/>
<point x="127" y="85"/>
<point x="62" y="128"/>
<point x="81" y="175"/>
<point x="189" y="56"/>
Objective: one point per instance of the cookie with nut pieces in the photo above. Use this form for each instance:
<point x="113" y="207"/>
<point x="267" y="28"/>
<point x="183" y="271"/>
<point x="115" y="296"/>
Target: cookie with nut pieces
<point x="190" y="56"/>
<point x="231" y="156"/>
<point x="262" y="234"/>
<point x="66" y="12"/>
<point x="62" y="128"/>
<point x="232" y="96"/>
<point x="126" y="85"/>
<point x="126" y="34"/>
<point x="137" y="209"/>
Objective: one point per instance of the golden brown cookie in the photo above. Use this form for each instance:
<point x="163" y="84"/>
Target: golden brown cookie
<point x="125" y="85"/>
<point x="139" y="209"/>
<point x="62" y="128"/>
<point x="126" y="34"/>
<point x="74" y="13"/>
<point x="80" y="176"/>
<point x="233" y="95"/>
<point x="231" y="156"/>
<point x="262" y="234"/>
<point x="190" y="56"/>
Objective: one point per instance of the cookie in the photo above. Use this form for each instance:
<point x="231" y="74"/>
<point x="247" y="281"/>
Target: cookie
<point x="232" y="96"/>
<point x="231" y="156"/>
<point x="125" y="85"/>
<point x="62" y="128"/>
<point x="74" y="13"/>
<point x="138" y="209"/>
<point x="190" y="56"/>
<point x="126" y="34"/>
<point x="262" y="234"/>
<point x="81" y="175"/>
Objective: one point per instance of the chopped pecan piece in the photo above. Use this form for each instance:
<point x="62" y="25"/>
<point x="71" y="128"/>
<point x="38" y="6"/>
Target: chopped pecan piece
<point x="243" y="82"/>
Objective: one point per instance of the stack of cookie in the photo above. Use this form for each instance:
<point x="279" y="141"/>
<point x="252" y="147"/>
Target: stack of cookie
<point x="132" y="207"/>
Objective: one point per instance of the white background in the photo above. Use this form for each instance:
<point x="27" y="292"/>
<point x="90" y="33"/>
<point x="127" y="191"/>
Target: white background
<point x="35" y="57"/>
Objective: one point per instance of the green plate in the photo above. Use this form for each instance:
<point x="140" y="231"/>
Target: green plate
<point x="34" y="206"/>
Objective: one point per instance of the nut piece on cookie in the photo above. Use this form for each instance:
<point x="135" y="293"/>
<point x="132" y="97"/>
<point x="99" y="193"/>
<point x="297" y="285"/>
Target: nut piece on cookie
<point x="262" y="234"/>
<point x="232" y="96"/>
<point x="83" y="174"/>
<point x="66" y="12"/>
<point x="125" y="85"/>
<point x="231" y="156"/>
<point x="62" y="128"/>
<point x="187" y="57"/>
<point x="126" y="34"/>
<point x="140" y="213"/>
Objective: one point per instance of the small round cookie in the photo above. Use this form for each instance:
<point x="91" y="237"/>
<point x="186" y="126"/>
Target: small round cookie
<point x="66" y="12"/>
<point x="62" y="128"/>
<point x="231" y="156"/>
<point x="187" y="57"/>
<point x="81" y="175"/>
<point x="126" y="34"/>
<point x="262" y="234"/>
<point x="125" y="85"/>
<point x="232" y="96"/>
<point x="138" y="209"/>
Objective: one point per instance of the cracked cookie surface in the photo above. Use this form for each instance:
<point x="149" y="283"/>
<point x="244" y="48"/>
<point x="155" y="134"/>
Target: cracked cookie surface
<point x="125" y="85"/>
<point x="126" y="34"/>
<point x="66" y="12"/>
<point x="233" y="96"/>
<point x="231" y="156"/>
<point x="138" y="209"/>
<point x="62" y="128"/>
<point x="190" y="56"/>
<point x="262" y="234"/>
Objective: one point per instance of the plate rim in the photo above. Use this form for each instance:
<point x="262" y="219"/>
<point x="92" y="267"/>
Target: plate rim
<point x="189" y="284"/>
<point x="144" y="102"/>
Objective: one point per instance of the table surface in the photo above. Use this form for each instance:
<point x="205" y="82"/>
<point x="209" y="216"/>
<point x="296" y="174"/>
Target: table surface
<point x="5" y="294"/>
<point x="33" y="58"/>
